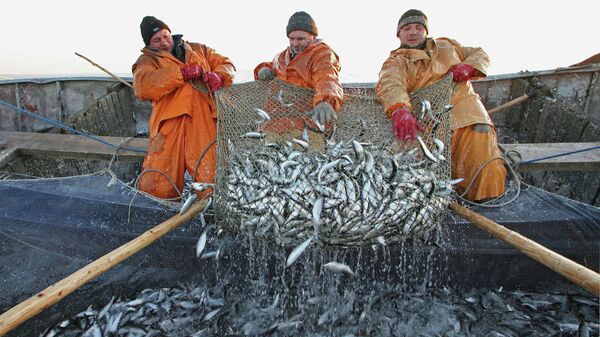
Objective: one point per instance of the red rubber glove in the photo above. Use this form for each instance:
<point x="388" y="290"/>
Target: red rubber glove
<point x="191" y="72"/>
<point x="405" y="125"/>
<point x="461" y="72"/>
<point x="213" y="80"/>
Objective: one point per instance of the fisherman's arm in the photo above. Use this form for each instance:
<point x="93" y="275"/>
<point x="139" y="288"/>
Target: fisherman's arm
<point x="325" y="75"/>
<point x="391" y="89"/>
<point x="151" y="82"/>
<point x="475" y="57"/>
<point x="220" y="65"/>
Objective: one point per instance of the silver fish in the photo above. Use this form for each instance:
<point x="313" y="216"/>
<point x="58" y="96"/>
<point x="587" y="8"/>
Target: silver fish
<point x="426" y="151"/>
<point x="201" y="243"/>
<point x="263" y="114"/>
<point x="338" y="267"/>
<point x="188" y="203"/>
<point x="296" y="252"/>
<point x="254" y="135"/>
<point x="211" y="315"/>
<point x="202" y="186"/>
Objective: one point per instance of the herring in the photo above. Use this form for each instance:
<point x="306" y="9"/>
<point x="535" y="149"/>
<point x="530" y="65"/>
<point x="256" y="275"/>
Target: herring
<point x="338" y="267"/>
<point x="296" y="252"/>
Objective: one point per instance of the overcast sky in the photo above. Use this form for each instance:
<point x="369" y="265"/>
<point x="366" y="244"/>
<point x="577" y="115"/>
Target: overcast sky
<point x="41" y="37"/>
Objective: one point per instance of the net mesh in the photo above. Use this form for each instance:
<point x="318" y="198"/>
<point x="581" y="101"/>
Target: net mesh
<point x="283" y="176"/>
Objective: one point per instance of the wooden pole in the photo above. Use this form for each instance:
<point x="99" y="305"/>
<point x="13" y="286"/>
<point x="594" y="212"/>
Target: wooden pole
<point x="106" y="71"/>
<point x="573" y="271"/>
<point x="510" y="103"/>
<point x="56" y="292"/>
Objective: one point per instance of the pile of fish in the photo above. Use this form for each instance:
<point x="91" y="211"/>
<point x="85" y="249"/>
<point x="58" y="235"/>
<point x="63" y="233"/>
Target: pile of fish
<point x="383" y="311"/>
<point x="351" y="194"/>
<point x="155" y="312"/>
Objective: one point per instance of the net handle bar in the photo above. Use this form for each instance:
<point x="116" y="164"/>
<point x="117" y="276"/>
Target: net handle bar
<point x="580" y="275"/>
<point x="59" y="290"/>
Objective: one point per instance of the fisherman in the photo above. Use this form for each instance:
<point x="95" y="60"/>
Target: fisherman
<point x="310" y="63"/>
<point x="179" y="78"/>
<point x="421" y="61"/>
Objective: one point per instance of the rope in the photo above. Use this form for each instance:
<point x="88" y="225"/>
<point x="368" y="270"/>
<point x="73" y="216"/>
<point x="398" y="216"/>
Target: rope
<point x="561" y="154"/>
<point x="66" y="127"/>
<point x="115" y="154"/>
<point x="487" y="203"/>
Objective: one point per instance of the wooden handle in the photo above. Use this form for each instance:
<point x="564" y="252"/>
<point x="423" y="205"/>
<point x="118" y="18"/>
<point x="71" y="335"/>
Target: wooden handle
<point x="56" y="292"/>
<point x="573" y="271"/>
<point x="105" y="70"/>
<point x="509" y="104"/>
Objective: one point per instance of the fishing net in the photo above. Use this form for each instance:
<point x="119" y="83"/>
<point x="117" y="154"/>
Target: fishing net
<point x="284" y="177"/>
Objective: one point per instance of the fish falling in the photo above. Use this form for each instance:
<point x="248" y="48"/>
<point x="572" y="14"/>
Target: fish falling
<point x="352" y="193"/>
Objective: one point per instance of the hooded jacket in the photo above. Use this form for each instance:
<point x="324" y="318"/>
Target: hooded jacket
<point x="407" y="70"/>
<point x="317" y="67"/>
<point x="157" y="77"/>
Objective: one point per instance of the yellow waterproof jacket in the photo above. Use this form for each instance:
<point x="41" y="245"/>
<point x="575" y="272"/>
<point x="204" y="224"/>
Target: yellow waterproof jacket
<point x="407" y="70"/>
<point x="317" y="67"/>
<point x="157" y="77"/>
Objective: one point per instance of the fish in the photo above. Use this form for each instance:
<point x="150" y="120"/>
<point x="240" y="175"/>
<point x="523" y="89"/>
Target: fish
<point x="338" y="267"/>
<point x="201" y="243"/>
<point x="280" y="99"/>
<point x="200" y="187"/>
<point x="272" y="306"/>
<point x="262" y="114"/>
<point x="188" y="203"/>
<point x="426" y="151"/>
<point x="296" y="252"/>
<point x="211" y="315"/>
<point x="254" y="135"/>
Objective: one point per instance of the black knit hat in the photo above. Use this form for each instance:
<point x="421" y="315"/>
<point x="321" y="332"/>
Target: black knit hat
<point x="412" y="16"/>
<point x="149" y="26"/>
<point x="302" y="21"/>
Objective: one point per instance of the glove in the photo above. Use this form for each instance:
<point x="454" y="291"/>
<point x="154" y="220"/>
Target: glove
<point x="213" y="80"/>
<point x="405" y="125"/>
<point x="461" y="72"/>
<point x="265" y="74"/>
<point x="191" y="72"/>
<point x="324" y="113"/>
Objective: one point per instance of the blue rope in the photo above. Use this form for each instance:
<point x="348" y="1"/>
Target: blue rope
<point x="561" y="154"/>
<point x="53" y="122"/>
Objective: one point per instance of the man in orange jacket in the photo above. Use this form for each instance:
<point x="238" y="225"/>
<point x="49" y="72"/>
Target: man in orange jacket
<point x="421" y="61"/>
<point x="310" y="63"/>
<point x="179" y="78"/>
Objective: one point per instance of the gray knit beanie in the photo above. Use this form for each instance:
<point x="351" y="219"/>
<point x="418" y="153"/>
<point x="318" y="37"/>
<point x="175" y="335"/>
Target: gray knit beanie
<point x="302" y="21"/>
<point x="412" y="16"/>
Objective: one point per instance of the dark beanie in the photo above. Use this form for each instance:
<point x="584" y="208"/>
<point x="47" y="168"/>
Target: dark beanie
<point x="302" y="21"/>
<point x="149" y="26"/>
<point x="412" y="16"/>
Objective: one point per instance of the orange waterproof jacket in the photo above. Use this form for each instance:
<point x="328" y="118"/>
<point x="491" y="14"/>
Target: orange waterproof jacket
<point x="157" y="77"/>
<point x="407" y="70"/>
<point x="317" y="67"/>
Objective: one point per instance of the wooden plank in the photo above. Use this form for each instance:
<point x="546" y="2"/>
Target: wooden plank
<point x="72" y="146"/>
<point x="582" y="161"/>
<point x="79" y="147"/>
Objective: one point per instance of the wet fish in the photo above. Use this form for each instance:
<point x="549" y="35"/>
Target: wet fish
<point x="201" y="243"/>
<point x="188" y="203"/>
<point x="296" y="252"/>
<point x="338" y="267"/>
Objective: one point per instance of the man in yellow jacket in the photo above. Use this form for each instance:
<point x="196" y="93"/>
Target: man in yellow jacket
<point x="421" y="61"/>
<point x="179" y="78"/>
<point x="310" y="63"/>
